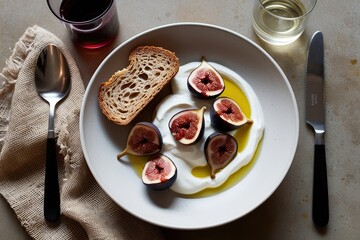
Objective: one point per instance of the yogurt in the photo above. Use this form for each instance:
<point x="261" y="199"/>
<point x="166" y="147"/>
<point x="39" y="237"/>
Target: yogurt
<point x="188" y="157"/>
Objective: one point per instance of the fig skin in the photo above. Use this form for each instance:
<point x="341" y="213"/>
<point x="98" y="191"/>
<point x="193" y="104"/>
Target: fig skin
<point x="190" y="130"/>
<point x="144" y="139"/>
<point x="205" y="82"/>
<point x="220" y="149"/>
<point x="159" y="173"/>
<point x="226" y="115"/>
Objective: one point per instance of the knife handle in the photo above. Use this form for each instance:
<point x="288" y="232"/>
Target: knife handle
<point x="320" y="208"/>
<point x="51" y="192"/>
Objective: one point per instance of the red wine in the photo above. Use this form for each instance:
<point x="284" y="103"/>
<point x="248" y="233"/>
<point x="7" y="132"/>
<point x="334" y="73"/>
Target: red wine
<point x="93" y="23"/>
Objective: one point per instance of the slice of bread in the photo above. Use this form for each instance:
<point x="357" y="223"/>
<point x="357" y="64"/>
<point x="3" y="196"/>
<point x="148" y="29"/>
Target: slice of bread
<point x="128" y="91"/>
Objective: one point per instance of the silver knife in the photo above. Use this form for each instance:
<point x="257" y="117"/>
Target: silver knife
<point x="315" y="117"/>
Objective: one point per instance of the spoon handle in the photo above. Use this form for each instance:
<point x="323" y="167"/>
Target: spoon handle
<point x="52" y="196"/>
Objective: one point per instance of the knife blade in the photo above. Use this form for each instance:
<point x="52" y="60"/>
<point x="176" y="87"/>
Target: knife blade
<point x="315" y="117"/>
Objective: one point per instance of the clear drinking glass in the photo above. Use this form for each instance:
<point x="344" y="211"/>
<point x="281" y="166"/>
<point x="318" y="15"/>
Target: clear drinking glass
<point x="281" y="22"/>
<point x="90" y="23"/>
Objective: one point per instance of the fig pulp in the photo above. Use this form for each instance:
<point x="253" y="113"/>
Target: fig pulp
<point x="220" y="149"/>
<point x="159" y="172"/>
<point x="205" y="82"/>
<point x="144" y="139"/>
<point x="226" y="115"/>
<point x="188" y="126"/>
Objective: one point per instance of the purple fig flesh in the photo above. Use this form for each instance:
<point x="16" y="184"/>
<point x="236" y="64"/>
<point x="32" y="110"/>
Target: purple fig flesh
<point x="187" y="126"/>
<point x="226" y="115"/>
<point x="144" y="139"/>
<point x="205" y="82"/>
<point x="220" y="150"/>
<point x="159" y="172"/>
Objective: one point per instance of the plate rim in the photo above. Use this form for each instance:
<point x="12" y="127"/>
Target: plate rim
<point x="267" y="55"/>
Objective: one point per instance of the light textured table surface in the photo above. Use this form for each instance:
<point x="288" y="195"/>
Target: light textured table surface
<point x="287" y="213"/>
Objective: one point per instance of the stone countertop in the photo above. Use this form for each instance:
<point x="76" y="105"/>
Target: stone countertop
<point x="287" y="213"/>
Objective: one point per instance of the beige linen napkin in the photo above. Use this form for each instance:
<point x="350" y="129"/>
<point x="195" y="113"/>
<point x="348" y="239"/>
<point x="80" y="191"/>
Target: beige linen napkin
<point x="87" y="212"/>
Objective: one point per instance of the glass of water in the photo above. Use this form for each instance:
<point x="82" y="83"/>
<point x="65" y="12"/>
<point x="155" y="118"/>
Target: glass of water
<point x="281" y="22"/>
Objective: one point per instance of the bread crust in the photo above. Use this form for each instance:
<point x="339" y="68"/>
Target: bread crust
<point x="128" y="91"/>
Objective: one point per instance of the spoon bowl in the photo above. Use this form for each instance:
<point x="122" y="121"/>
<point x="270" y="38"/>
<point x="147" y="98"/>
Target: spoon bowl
<point x="52" y="81"/>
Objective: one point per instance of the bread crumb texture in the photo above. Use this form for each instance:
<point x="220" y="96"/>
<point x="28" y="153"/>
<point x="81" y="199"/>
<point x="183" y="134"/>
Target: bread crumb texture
<point x="128" y="91"/>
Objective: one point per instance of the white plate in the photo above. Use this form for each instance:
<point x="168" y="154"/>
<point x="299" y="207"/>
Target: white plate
<point x="102" y="140"/>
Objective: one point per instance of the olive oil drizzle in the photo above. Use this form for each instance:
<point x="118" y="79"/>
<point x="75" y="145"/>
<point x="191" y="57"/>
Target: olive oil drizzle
<point x="230" y="182"/>
<point x="241" y="135"/>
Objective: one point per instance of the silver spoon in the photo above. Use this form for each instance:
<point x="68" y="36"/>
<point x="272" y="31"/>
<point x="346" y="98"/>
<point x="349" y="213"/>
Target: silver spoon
<point x="52" y="80"/>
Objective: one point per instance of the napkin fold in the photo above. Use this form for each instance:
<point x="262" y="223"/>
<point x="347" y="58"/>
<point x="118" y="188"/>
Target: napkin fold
<point x="86" y="211"/>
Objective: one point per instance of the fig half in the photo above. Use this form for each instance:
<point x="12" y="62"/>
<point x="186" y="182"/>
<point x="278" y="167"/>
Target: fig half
<point x="205" y="82"/>
<point x="187" y="126"/>
<point x="220" y="149"/>
<point x="159" y="172"/>
<point x="144" y="139"/>
<point x="226" y="115"/>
